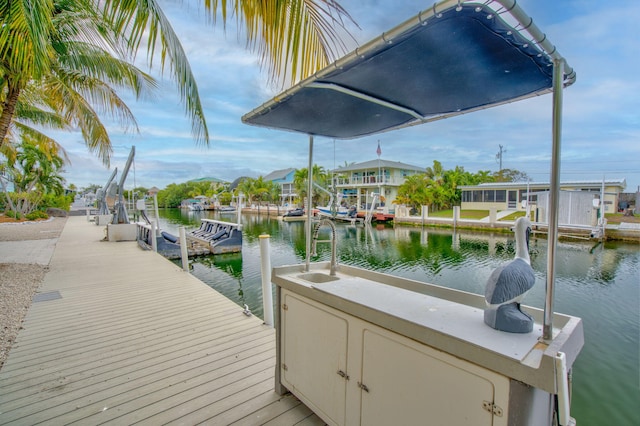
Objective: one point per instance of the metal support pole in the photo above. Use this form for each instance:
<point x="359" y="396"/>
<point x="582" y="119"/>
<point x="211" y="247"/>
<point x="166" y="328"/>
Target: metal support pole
<point x="183" y="249"/>
<point x="239" y="212"/>
<point x="554" y="197"/>
<point x="265" y="266"/>
<point x="309" y="204"/>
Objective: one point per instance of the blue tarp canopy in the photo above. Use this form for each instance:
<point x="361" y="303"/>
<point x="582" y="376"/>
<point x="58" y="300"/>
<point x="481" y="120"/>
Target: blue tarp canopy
<point x="444" y="62"/>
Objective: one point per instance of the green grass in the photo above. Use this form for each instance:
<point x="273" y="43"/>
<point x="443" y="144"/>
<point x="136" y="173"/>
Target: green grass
<point x="513" y="216"/>
<point x="474" y="214"/>
<point x="442" y="213"/>
<point x="464" y="214"/>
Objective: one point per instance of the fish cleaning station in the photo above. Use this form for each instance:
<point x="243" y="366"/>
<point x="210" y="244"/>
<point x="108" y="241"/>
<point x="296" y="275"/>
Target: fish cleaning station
<point x="361" y="347"/>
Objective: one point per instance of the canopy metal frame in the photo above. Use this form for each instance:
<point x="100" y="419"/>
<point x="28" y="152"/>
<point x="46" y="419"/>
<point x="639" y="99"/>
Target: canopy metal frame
<point x="499" y="30"/>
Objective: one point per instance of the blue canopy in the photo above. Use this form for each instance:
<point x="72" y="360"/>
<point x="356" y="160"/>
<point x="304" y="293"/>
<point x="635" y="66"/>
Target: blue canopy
<point x="451" y="59"/>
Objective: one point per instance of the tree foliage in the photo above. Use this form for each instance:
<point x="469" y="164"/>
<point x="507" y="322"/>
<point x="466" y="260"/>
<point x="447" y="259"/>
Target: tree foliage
<point x="320" y="177"/>
<point x="34" y="175"/>
<point x="439" y="188"/>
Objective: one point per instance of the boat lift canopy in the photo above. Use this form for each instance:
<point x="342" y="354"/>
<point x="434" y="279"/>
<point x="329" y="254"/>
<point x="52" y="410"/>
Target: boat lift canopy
<point x="453" y="58"/>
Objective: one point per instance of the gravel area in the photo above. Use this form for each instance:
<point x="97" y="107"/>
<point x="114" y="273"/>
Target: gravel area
<point x="20" y="281"/>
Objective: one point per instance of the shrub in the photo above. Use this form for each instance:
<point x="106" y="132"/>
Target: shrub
<point x="13" y="214"/>
<point x="36" y="214"/>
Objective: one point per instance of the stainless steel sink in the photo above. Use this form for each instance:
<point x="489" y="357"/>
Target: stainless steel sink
<point x="317" y="277"/>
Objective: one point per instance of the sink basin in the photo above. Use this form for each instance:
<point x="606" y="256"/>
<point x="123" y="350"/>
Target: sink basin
<point x="317" y="277"/>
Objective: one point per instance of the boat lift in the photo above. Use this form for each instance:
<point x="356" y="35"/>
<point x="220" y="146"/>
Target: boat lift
<point x="103" y="208"/>
<point x="120" y="215"/>
<point x="454" y="58"/>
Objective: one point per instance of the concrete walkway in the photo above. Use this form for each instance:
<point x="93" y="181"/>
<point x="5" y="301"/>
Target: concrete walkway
<point x="30" y="251"/>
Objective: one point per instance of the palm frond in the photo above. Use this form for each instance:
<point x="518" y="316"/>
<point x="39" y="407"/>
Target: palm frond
<point x="78" y="110"/>
<point x="24" y="36"/>
<point x="139" y="20"/>
<point x="97" y="63"/>
<point x="49" y="146"/>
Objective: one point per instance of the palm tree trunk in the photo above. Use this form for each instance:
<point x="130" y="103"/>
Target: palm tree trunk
<point x="6" y="193"/>
<point x="8" y="108"/>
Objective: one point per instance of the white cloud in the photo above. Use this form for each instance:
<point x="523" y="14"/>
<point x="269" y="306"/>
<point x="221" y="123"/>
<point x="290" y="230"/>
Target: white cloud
<point x="600" y="128"/>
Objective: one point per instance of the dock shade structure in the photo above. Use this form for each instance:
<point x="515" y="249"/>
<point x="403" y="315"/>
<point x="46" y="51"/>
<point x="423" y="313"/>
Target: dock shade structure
<point x="453" y="58"/>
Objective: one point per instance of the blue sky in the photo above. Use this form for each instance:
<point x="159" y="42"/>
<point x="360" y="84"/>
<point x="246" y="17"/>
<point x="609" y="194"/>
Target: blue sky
<point x="601" y="127"/>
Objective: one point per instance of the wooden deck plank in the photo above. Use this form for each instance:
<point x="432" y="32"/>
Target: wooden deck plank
<point x="139" y="373"/>
<point x="77" y="356"/>
<point x="134" y="338"/>
<point x="131" y="336"/>
<point x="291" y="417"/>
<point x="266" y="412"/>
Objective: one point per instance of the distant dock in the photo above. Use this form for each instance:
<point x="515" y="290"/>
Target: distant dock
<point x="120" y="335"/>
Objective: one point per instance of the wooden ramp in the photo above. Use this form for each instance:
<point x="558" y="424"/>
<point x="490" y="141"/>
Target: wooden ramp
<point x="120" y="335"/>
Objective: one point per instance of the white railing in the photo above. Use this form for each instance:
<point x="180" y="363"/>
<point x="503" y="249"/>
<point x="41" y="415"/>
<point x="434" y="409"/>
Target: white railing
<point x="368" y="180"/>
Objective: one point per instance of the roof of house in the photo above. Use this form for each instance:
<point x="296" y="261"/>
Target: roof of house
<point x="573" y="183"/>
<point x="208" y="179"/>
<point x="278" y="174"/>
<point x="374" y="164"/>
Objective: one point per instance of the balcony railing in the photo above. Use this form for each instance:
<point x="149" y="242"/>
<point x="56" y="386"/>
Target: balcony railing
<point x="368" y="181"/>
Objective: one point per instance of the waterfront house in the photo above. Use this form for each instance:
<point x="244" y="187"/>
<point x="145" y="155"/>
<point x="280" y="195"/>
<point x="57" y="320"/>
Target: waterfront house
<point x="356" y="182"/>
<point x="515" y="195"/>
<point x="284" y="178"/>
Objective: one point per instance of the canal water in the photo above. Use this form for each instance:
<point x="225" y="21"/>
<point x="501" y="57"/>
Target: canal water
<point x="598" y="282"/>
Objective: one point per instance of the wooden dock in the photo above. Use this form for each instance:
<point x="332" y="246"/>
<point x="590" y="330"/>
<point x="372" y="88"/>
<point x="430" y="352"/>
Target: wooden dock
<point x="120" y="335"/>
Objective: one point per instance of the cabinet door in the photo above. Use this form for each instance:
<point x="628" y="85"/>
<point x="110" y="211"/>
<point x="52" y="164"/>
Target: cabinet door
<point x="314" y="355"/>
<point x="406" y="383"/>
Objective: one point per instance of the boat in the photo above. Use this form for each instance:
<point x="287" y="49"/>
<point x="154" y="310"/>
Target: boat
<point x="226" y="209"/>
<point x="219" y="237"/>
<point x="454" y="58"/>
<point x="335" y="210"/>
<point x="338" y="213"/>
<point x="294" y="213"/>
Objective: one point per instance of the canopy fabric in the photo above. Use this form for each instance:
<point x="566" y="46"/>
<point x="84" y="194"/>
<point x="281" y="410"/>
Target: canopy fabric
<point x="441" y="63"/>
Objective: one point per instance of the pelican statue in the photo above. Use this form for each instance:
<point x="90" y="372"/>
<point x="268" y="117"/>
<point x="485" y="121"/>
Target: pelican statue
<point x="508" y="284"/>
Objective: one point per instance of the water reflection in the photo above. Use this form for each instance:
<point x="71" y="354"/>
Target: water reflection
<point x="600" y="284"/>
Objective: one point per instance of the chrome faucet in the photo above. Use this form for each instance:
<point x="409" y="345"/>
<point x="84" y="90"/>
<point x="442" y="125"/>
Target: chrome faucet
<point x="334" y="243"/>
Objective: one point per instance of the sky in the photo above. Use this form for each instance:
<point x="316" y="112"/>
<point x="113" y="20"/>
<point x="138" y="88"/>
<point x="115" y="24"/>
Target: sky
<point x="601" y="121"/>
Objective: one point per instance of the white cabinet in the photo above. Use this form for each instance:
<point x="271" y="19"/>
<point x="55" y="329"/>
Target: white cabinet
<point x="409" y="383"/>
<point x="314" y="356"/>
<point x="351" y="372"/>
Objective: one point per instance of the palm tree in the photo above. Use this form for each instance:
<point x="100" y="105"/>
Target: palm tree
<point x="33" y="173"/>
<point x="246" y="186"/>
<point x="300" y="179"/>
<point x="413" y="192"/>
<point x="76" y="82"/>
<point x="294" y="37"/>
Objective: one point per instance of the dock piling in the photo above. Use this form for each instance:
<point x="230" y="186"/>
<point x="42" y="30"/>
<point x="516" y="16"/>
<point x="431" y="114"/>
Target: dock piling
<point x="265" y="266"/>
<point x="183" y="249"/>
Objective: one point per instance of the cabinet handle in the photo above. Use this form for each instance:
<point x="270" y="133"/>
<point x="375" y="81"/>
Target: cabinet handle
<point x="363" y="387"/>
<point x="343" y="375"/>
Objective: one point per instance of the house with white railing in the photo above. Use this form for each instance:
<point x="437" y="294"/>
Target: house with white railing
<point x="356" y="183"/>
<point x="284" y="178"/>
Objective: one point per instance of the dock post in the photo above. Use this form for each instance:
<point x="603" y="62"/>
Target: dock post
<point x="183" y="249"/>
<point x="154" y="241"/>
<point x="155" y="210"/>
<point x="265" y="266"/>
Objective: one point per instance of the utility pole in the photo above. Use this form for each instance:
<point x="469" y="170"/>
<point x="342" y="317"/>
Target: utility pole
<point x="499" y="156"/>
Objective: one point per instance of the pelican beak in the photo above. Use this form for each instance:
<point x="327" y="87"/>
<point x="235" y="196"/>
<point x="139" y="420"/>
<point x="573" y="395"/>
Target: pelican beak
<point x="528" y="233"/>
